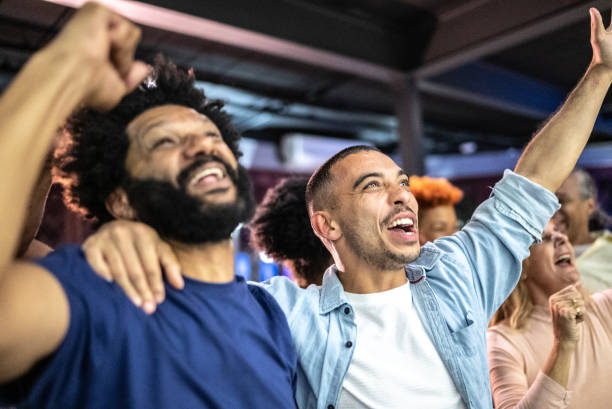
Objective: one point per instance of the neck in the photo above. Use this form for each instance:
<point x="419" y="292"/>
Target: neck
<point x="361" y="278"/>
<point x="583" y="237"/>
<point x="209" y="262"/>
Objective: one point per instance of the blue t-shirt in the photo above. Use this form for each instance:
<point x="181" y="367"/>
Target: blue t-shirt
<point x="207" y="346"/>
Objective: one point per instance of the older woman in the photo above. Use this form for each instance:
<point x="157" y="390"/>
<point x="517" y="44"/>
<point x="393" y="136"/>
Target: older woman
<point x="437" y="198"/>
<point x="551" y="343"/>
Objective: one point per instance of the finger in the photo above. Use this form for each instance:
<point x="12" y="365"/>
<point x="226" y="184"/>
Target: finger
<point x="136" y="274"/>
<point x="172" y="268"/>
<point x="597" y="27"/>
<point x="115" y="263"/>
<point x="151" y="263"/>
<point x="138" y="72"/>
<point x="124" y="38"/>
<point x="97" y="263"/>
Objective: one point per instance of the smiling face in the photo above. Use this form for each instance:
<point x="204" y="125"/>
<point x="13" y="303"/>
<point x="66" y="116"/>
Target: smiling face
<point x="550" y="266"/>
<point x="375" y="210"/>
<point x="184" y="180"/>
<point x="166" y="141"/>
<point x="436" y="222"/>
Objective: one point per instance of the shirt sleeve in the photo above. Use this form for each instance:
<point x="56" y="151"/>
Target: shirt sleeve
<point x="509" y="382"/>
<point x="95" y="318"/>
<point x="495" y="241"/>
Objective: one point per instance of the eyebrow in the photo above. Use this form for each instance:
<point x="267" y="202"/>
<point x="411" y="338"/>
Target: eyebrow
<point x="375" y="174"/>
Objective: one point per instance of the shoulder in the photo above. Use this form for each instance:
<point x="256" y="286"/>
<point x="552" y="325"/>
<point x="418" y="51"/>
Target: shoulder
<point x="291" y="298"/>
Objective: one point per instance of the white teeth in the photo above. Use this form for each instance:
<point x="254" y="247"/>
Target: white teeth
<point x="562" y="258"/>
<point x="402" y="222"/>
<point x="210" y="171"/>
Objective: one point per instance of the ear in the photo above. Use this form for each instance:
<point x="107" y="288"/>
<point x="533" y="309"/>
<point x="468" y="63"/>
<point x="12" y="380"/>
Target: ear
<point x="591" y="205"/>
<point x="324" y="226"/>
<point x="118" y="205"/>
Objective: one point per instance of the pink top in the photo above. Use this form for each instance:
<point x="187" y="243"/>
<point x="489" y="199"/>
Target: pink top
<point x="515" y="360"/>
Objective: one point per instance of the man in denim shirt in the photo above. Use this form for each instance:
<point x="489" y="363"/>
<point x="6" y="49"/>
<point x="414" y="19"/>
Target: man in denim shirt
<point x="364" y="213"/>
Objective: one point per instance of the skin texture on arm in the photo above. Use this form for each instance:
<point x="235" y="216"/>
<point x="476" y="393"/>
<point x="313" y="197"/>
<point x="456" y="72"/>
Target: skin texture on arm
<point x="89" y="63"/>
<point x="552" y="153"/>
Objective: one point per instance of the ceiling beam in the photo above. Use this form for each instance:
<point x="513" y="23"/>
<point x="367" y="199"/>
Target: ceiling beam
<point x="469" y="33"/>
<point x="492" y="87"/>
<point x="383" y="67"/>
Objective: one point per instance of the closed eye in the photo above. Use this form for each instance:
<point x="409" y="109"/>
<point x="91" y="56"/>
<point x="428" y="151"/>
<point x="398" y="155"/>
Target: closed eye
<point x="161" y="142"/>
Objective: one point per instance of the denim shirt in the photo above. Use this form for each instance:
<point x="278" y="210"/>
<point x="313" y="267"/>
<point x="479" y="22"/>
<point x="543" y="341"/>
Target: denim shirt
<point x="457" y="284"/>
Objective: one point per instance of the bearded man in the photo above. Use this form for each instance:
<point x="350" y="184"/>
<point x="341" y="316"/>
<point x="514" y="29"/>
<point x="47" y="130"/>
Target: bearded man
<point x="167" y="157"/>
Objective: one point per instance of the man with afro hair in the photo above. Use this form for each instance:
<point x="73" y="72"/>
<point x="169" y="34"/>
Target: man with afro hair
<point x="281" y="229"/>
<point x="167" y="157"/>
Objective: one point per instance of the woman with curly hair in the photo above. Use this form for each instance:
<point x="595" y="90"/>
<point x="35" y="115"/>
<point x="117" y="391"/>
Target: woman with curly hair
<point x="437" y="198"/>
<point x="281" y="229"/>
<point x="550" y="343"/>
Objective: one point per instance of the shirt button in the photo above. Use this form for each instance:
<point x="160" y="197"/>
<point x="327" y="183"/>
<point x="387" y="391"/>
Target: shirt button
<point x="348" y="344"/>
<point x="347" y="310"/>
<point x="330" y="406"/>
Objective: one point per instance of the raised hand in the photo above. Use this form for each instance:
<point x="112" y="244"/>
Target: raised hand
<point x="103" y="43"/>
<point x="132" y="255"/>
<point x="601" y="40"/>
<point x="567" y="308"/>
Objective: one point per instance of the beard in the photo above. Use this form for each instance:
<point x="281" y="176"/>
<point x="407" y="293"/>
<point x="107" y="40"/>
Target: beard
<point x="176" y="215"/>
<point x="377" y="254"/>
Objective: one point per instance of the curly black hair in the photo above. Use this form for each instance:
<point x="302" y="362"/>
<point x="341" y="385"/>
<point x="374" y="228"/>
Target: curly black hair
<point x="92" y="163"/>
<point x="281" y="229"/>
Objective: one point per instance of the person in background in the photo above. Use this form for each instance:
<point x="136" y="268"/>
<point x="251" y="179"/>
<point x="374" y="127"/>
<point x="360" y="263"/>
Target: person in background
<point x="281" y="229"/>
<point x="437" y="198"/>
<point x="587" y="228"/>
<point x="550" y="344"/>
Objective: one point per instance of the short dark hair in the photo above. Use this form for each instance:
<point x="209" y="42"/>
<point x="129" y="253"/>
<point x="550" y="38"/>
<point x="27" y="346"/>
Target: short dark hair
<point x="92" y="163"/>
<point x="321" y="178"/>
<point x="281" y="229"/>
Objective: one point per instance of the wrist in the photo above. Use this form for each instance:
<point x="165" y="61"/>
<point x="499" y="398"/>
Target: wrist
<point x="601" y="72"/>
<point x="565" y="346"/>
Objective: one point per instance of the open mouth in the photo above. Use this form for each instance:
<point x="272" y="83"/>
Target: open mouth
<point x="563" y="260"/>
<point x="207" y="176"/>
<point x="404" y="224"/>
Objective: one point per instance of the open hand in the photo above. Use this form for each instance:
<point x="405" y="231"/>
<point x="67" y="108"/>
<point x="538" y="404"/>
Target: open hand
<point x="132" y="254"/>
<point x="601" y="40"/>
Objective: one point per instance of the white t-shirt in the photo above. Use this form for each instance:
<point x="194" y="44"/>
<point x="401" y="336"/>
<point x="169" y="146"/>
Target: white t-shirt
<point x="395" y="364"/>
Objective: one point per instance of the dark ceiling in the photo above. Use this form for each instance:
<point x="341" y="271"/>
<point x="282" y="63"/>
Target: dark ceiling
<point x="487" y="72"/>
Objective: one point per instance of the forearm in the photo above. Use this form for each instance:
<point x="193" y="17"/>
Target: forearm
<point x="558" y="363"/>
<point x="40" y="98"/>
<point x="552" y="154"/>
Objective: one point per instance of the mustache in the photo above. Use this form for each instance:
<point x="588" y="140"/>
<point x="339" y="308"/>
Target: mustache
<point x="183" y="177"/>
<point x="397" y="211"/>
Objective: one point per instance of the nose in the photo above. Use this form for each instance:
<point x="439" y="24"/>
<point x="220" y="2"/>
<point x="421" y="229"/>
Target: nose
<point x="401" y="196"/>
<point x="559" y="239"/>
<point x="197" y="144"/>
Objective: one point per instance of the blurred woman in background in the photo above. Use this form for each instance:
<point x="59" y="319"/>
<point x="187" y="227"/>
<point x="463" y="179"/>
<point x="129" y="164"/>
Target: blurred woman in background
<point x="550" y="345"/>
<point x="281" y="229"/>
<point x="437" y="198"/>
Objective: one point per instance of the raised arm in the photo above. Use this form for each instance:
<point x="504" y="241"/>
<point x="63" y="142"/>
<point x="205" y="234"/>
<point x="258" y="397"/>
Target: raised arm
<point x="90" y="63"/>
<point x="552" y="153"/>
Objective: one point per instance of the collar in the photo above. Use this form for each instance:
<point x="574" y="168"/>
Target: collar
<point x="332" y="291"/>
<point x="429" y="257"/>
